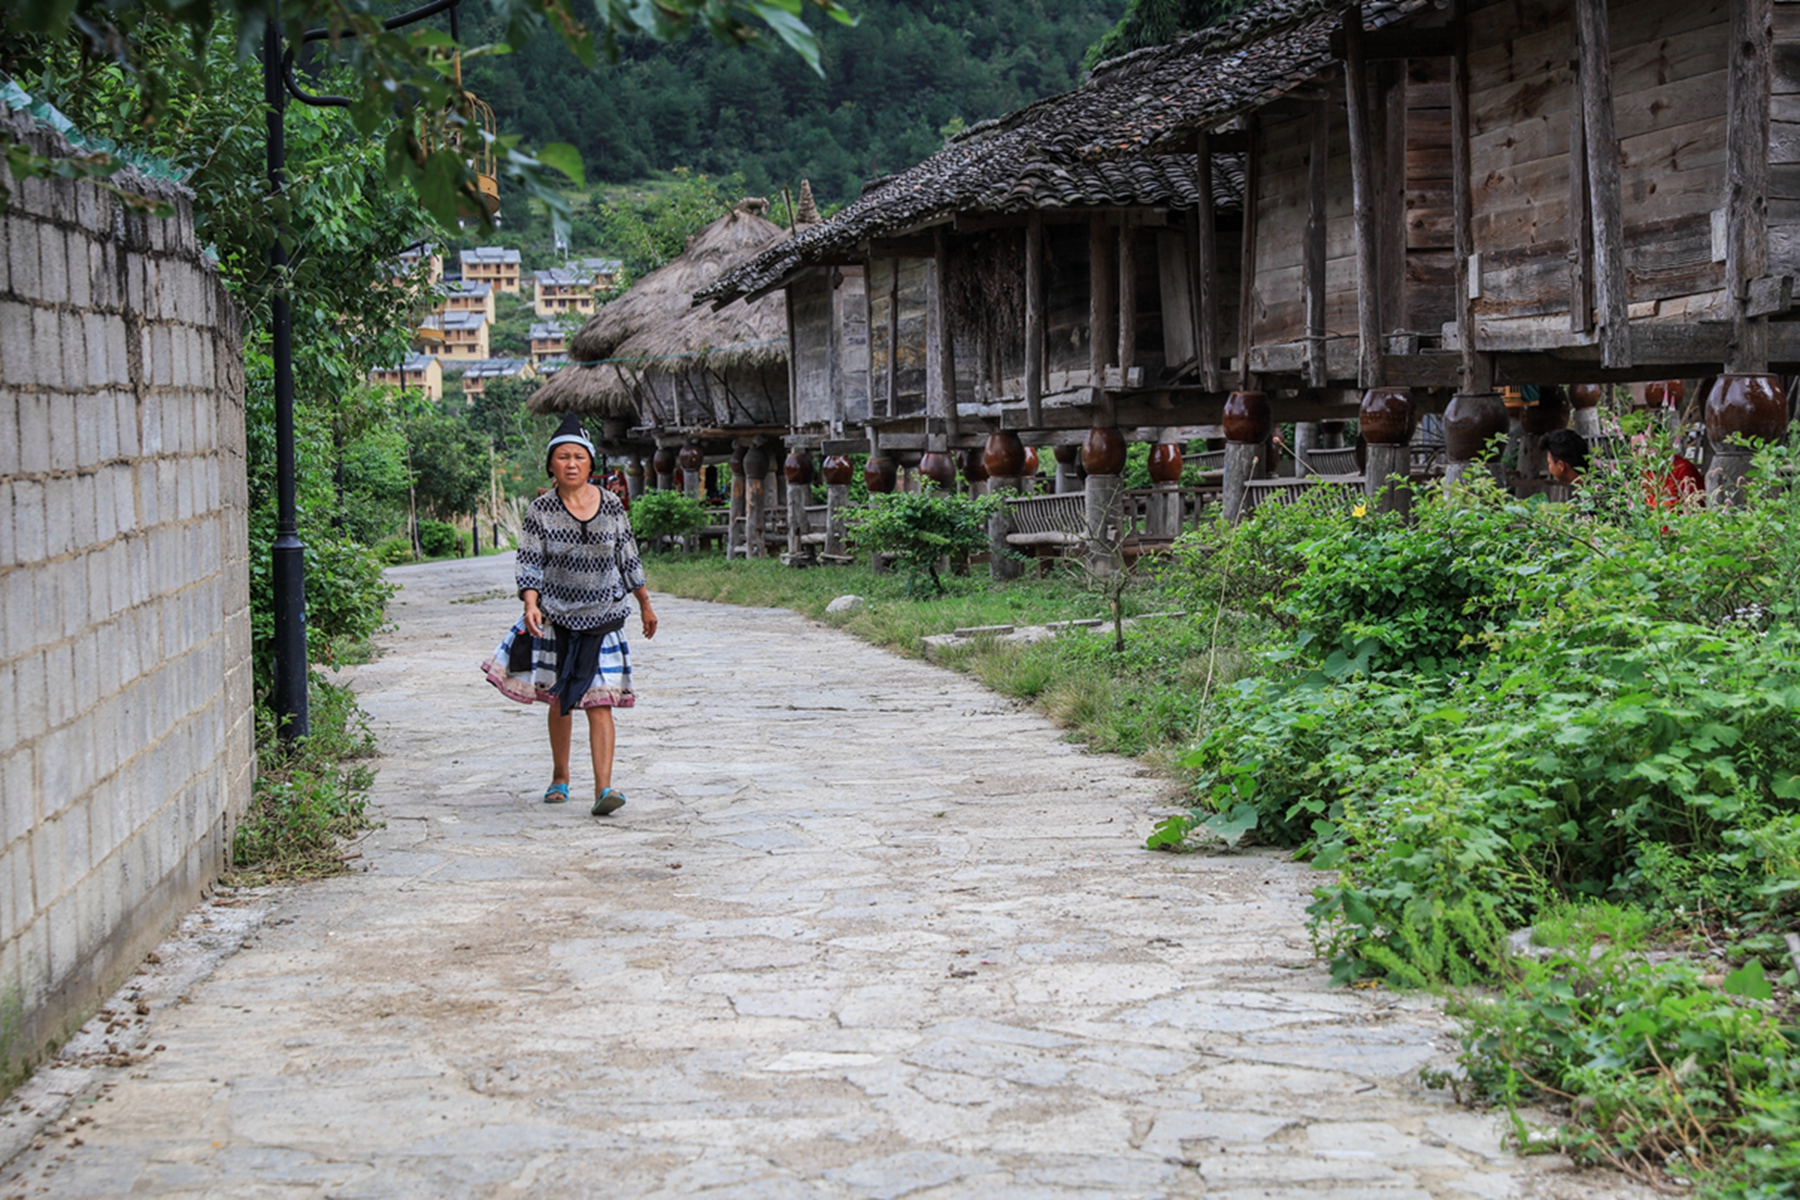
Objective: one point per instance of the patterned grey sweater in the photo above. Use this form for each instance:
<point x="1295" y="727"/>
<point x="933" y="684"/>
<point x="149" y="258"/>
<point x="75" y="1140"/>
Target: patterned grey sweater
<point x="582" y="571"/>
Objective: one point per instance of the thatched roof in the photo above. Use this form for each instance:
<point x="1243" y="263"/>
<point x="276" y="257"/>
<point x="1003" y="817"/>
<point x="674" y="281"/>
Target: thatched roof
<point x="653" y="327"/>
<point x="1115" y="141"/>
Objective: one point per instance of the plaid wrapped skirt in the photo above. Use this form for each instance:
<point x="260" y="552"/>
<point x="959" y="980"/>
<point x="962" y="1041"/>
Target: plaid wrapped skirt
<point x="610" y="686"/>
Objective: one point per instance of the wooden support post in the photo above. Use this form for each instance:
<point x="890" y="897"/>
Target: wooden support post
<point x="1206" y="266"/>
<point x="1034" y="318"/>
<point x="1247" y="273"/>
<point x="945" y="360"/>
<point x="756" y="464"/>
<point x="1379" y="482"/>
<point x="799" y="495"/>
<point x="1127" y="299"/>
<point x="1104" y="506"/>
<point x="1003" y="561"/>
<point x="634" y="477"/>
<point x="893" y="331"/>
<point x="1313" y="259"/>
<point x="1594" y="50"/>
<point x="1243" y="462"/>
<point x="793" y="367"/>
<point x="1475" y="372"/>
<point x="837" y="500"/>
<point x="1366" y="213"/>
<point x="1101" y="332"/>
<point x="1581" y="209"/>
<point x="1306" y="440"/>
<point x="1391" y="141"/>
<point x="1747" y="178"/>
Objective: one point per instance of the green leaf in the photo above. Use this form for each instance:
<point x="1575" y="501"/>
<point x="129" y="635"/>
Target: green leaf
<point x="1748" y="981"/>
<point x="1231" y="827"/>
<point x="563" y="157"/>
<point x="790" y="29"/>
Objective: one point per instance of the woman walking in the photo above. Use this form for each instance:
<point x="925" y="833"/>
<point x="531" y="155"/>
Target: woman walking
<point x="577" y="564"/>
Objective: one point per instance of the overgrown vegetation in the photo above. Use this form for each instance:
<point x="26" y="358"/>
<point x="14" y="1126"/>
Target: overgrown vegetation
<point x="919" y="529"/>
<point x="660" y="514"/>
<point x="309" y="794"/>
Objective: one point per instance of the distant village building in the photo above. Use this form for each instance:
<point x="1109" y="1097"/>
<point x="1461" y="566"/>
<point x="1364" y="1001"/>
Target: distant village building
<point x="457" y="336"/>
<point x="430" y="256"/>
<point x="420" y="373"/>
<point x="605" y="271"/>
<point x="493" y="265"/>
<point x="462" y="295"/>
<point x="562" y="290"/>
<point x="548" y="340"/>
<point x="475" y="375"/>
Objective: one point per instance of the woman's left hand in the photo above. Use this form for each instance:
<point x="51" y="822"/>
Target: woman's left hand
<point x="649" y="621"/>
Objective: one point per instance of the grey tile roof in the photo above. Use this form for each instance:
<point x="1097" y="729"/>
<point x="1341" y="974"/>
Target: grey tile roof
<point x="1114" y="141"/>
<point x="490" y="254"/>
<point x="547" y="329"/>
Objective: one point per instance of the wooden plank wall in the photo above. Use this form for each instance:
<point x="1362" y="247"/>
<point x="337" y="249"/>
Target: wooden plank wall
<point x="1284" y="148"/>
<point x="851" y="368"/>
<point x="1428" y="297"/>
<point x="1066" y="334"/>
<point x="809" y="300"/>
<point x="909" y="397"/>
<point x="1784" y="143"/>
<point x="1669" y="107"/>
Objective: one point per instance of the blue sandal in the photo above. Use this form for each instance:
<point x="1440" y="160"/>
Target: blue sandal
<point x="610" y="800"/>
<point x="556" y="793"/>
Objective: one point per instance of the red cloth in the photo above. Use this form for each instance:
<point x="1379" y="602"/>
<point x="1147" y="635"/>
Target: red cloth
<point x="1674" y="489"/>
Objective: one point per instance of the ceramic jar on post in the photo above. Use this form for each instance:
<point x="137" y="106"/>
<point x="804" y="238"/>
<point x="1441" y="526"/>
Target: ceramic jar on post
<point x="1475" y="426"/>
<point x="880" y="473"/>
<point x="1162" y="518"/>
<point x="663" y="463"/>
<point x="692" y="461"/>
<point x="1103" y="457"/>
<point x="1068" y="468"/>
<point x="973" y="470"/>
<point x="1585" y="399"/>
<point x="1740" y="409"/>
<point x="756" y="499"/>
<point x="1248" y="422"/>
<point x="1386" y="419"/>
<point x="937" y="466"/>
<point x="1003" y="461"/>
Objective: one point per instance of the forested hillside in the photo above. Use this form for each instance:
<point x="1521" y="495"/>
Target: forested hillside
<point x="890" y="86"/>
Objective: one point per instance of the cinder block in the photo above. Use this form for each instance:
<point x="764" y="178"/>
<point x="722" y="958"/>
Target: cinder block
<point x="81" y="292"/>
<point x="125" y="408"/>
<point x="82" y="416"/>
<point x="46" y="864"/>
<point x="184" y="489"/>
<point x="118" y="352"/>
<point x="23" y="237"/>
<point x="161" y="364"/>
<point x="150" y="424"/>
<point x="59" y="515"/>
<point x="34" y="432"/>
<point x="9" y="554"/>
<point x="53" y="265"/>
<point x="28" y="520"/>
<point x="86" y="526"/>
<point x="46" y="348"/>
<point x="9" y="434"/>
<point x="63" y="924"/>
<point x="134" y="282"/>
<point x="103" y="412"/>
<point x="9" y="708"/>
<point x="105" y="278"/>
<point x="29" y="702"/>
<point x="74" y="822"/>
<point x="15" y="344"/>
<point x="18" y="795"/>
<point x="168" y="504"/>
<point x="60" y="686"/>
<point x="106" y="511"/>
<point x="138" y="561"/>
<point x="143" y="475"/>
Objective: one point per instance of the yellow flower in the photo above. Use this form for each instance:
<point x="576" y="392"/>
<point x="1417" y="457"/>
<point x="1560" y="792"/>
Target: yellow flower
<point x="1360" y="509"/>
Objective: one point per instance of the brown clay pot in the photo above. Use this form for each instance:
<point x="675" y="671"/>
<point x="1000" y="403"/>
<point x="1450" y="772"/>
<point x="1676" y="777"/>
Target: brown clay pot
<point x="936" y="465"/>
<point x="664" y="460"/>
<point x="1549" y="414"/>
<point x="1031" y="461"/>
<point x="1104" y="451"/>
<point x="756" y="463"/>
<point x="1004" y="455"/>
<point x="1387" y="416"/>
<point x="1068" y="456"/>
<point x="1165" y="463"/>
<point x="798" y="468"/>
<point x="1752" y="405"/>
<point x="838" y="470"/>
<point x="973" y="468"/>
<point x="691" y="458"/>
<point x="1665" y="393"/>
<point x="880" y="474"/>
<point x="1248" y="417"/>
<point x="1471" y="423"/>
<point x="1584" y="396"/>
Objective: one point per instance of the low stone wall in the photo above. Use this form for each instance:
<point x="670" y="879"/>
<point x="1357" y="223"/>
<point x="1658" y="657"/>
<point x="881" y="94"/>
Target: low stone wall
<point x="126" y="737"/>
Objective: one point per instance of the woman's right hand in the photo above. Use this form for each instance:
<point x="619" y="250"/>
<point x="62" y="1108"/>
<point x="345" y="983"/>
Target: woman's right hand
<point x="534" y="619"/>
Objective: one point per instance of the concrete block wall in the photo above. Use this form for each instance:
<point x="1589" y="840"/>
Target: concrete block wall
<point x="126" y="728"/>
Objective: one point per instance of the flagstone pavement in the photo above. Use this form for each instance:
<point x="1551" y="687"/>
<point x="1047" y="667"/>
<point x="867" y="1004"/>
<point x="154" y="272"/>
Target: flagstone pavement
<point x="864" y="930"/>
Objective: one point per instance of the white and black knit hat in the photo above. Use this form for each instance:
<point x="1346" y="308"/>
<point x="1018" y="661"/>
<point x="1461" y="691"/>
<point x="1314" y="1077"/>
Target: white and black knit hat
<point x="569" y="431"/>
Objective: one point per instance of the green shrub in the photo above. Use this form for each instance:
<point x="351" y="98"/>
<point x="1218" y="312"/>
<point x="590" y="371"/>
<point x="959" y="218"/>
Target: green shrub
<point x="919" y="528"/>
<point x="391" y="552"/>
<point x="664" y="513"/>
<point x="437" y="539"/>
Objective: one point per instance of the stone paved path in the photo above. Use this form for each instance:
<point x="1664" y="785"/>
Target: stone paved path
<point x="865" y="930"/>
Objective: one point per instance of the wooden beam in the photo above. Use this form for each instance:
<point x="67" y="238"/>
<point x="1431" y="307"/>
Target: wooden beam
<point x="1313" y="258"/>
<point x="1581" y="208"/>
<point x="1365" y="215"/>
<point x="1034" y="316"/>
<point x="1594" y="50"/>
<point x="1398" y="43"/>
<point x="793" y="365"/>
<point x="1747" y="181"/>
<point x="1102" y="336"/>
<point x="1474" y="367"/>
<point x="1127" y="299"/>
<point x="1206" y="266"/>
<point x="1392" y="141"/>
<point x="893" y="330"/>
<point x="1247" y="270"/>
<point x="940" y="342"/>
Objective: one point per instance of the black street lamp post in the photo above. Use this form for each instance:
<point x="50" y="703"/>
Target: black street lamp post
<point x="288" y="557"/>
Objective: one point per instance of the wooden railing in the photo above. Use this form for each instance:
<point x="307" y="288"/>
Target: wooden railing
<point x="1055" y="520"/>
